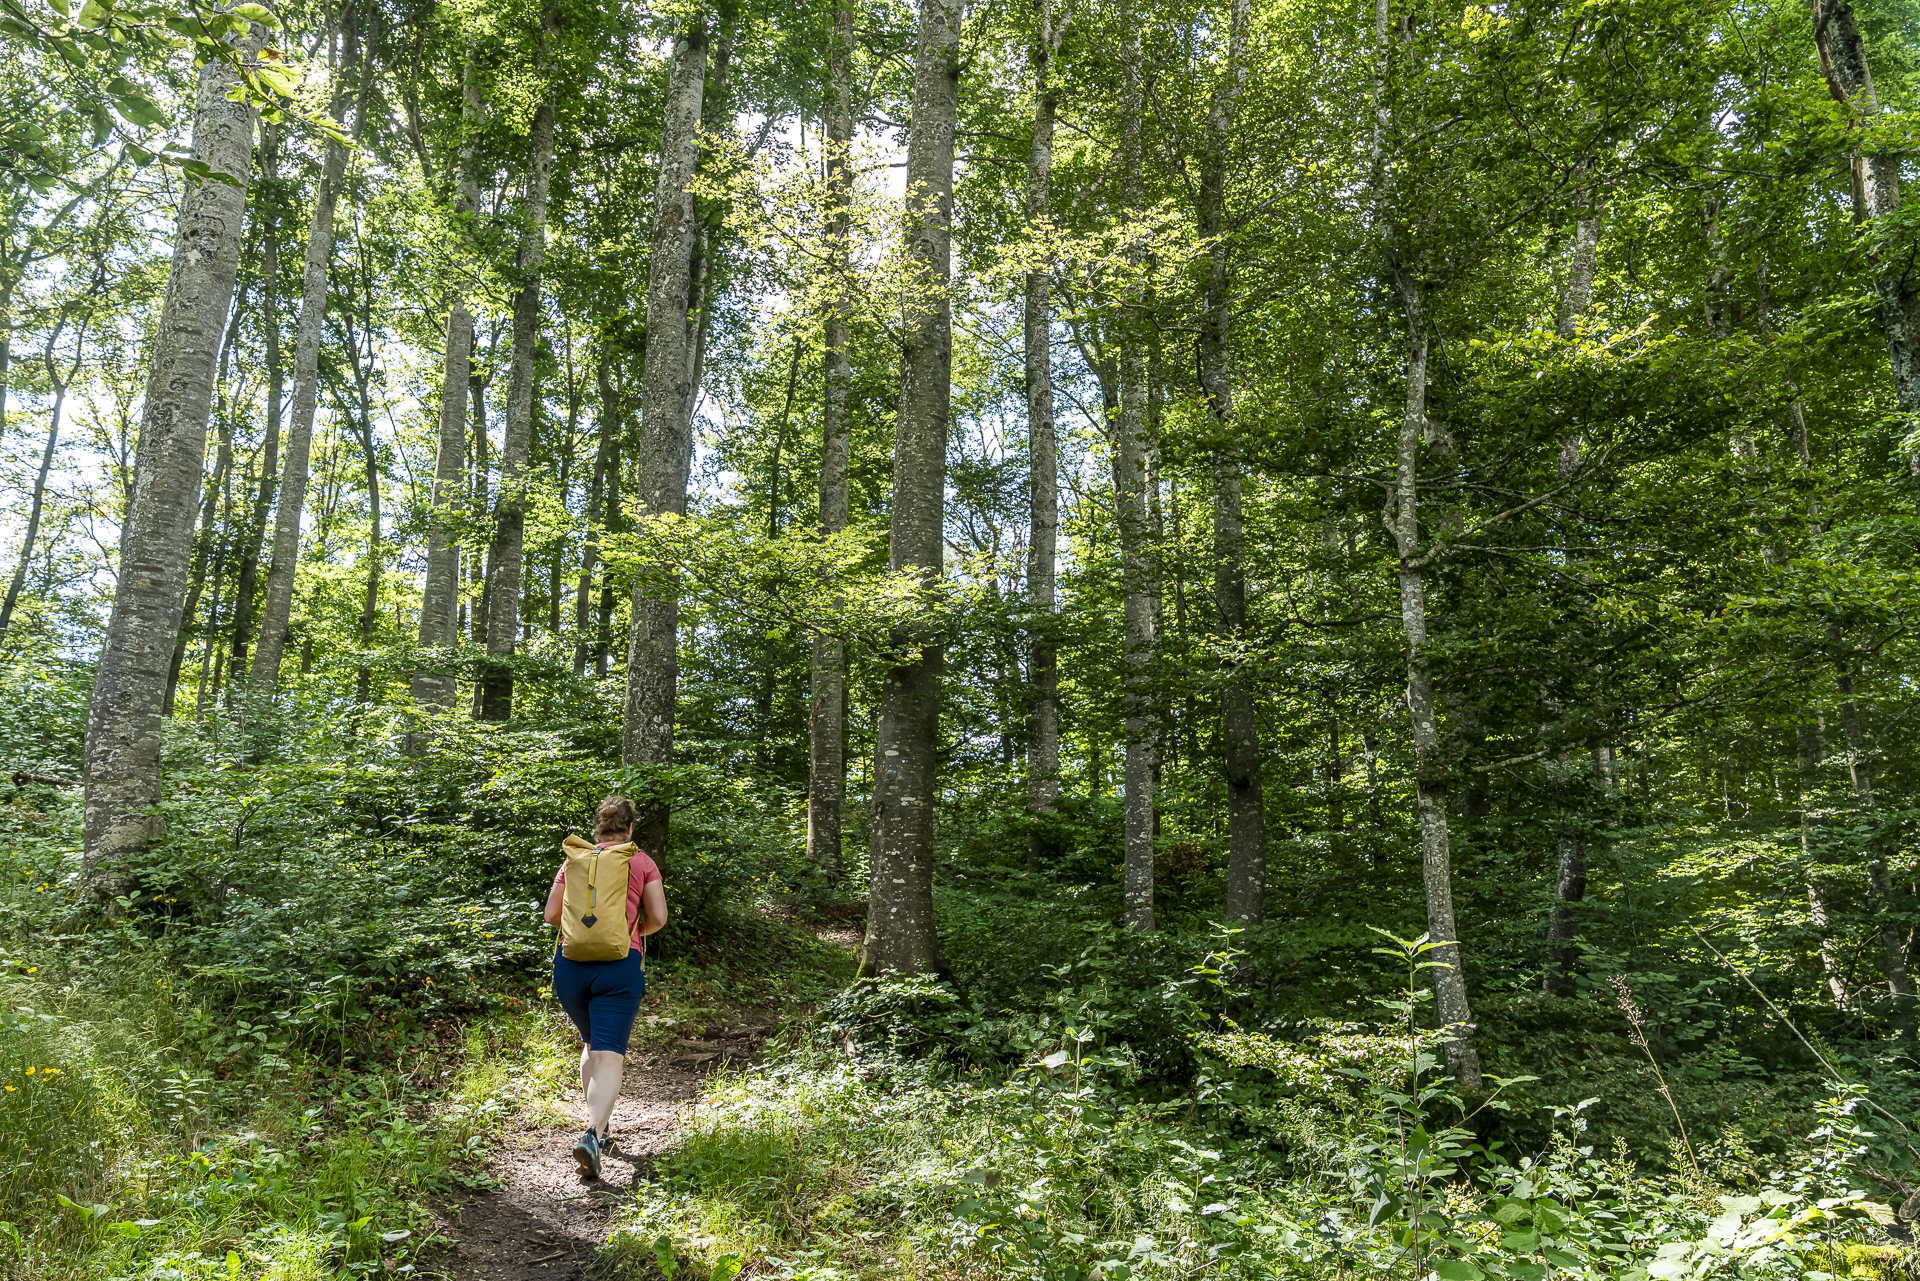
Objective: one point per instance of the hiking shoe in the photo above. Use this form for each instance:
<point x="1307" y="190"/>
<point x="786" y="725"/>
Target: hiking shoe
<point x="587" y="1153"/>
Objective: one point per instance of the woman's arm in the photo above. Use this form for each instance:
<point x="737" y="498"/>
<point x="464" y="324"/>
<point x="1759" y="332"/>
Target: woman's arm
<point x="653" y="902"/>
<point x="554" y="897"/>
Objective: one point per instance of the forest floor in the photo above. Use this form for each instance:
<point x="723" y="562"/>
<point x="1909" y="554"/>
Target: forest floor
<point x="540" y="1221"/>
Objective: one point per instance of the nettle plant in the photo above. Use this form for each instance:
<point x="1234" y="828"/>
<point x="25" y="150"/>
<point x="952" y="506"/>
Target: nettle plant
<point x="1415" y="1194"/>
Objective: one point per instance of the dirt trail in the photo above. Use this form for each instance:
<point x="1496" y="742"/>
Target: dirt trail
<point x="542" y="1223"/>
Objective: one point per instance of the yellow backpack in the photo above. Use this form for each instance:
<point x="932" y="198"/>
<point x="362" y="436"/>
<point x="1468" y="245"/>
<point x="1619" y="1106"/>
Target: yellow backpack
<point x="593" y="913"/>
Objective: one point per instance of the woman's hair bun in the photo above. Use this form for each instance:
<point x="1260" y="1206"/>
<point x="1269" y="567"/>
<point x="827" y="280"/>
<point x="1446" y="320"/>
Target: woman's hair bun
<point x="614" y="815"/>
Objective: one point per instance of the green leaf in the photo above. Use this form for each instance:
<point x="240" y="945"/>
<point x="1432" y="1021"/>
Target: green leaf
<point x="1457" y="1270"/>
<point x="258" y="13"/>
<point x="726" y="1268"/>
<point x="1511" y="1211"/>
<point x="140" y="110"/>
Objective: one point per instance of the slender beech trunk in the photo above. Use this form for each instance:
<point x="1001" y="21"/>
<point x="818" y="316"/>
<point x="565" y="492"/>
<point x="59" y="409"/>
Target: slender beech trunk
<point x="440" y="594"/>
<point x="285" y="561"/>
<point x="1430" y="786"/>
<point x="1240" y="733"/>
<point x="1402" y="519"/>
<point x="1132" y="456"/>
<point x="1893" y="947"/>
<point x="612" y="432"/>
<point x="59" y="385"/>
<point x="211" y="534"/>
<point x="1569" y="888"/>
<point x="122" y="770"/>
<point x="508" y="556"/>
<point x="1807" y="753"/>
<point x="1043" y="447"/>
<point x="1570" y="873"/>
<point x="900" y="924"/>
<point x="665" y="451"/>
<point x="247" y="584"/>
<point x="6" y="341"/>
<point x="826" y="715"/>
<point x="362" y="367"/>
<point x="212" y="653"/>
<point x="482" y="469"/>
<point x="769" y="647"/>
<point x="607" y="427"/>
<point x="1876" y="194"/>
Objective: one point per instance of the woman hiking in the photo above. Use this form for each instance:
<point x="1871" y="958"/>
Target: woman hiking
<point x="599" y="981"/>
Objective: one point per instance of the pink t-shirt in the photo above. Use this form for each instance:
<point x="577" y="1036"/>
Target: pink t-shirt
<point x="640" y="870"/>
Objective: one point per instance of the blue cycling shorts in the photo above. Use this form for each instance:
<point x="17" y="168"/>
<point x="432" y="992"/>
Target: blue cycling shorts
<point x="601" y="997"/>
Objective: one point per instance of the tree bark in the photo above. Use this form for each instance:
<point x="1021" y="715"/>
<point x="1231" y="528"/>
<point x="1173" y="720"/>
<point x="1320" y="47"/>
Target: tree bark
<point x="59" y="385"/>
<point x="665" y="451"/>
<point x="282" y="567"/>
<point x="900" y="924"/>
<point x="1876" y="193"/>
<point x="1569" y="888"/>
<point x="826" y="715"/>
<point x="482" y="468"/>
<point x="1132" y="473"/>
<point x="122" y="752"/>
<point x="247" y="584"/>
<point x="508" y="561"/>
<point x="1430" y="787"/>
<point x="612" y="422"/>
<point x="1807" y="753"/>
<point x="1240" y="734"/>
<point x="1570" y="874"/>
<point x="606" y="425"/>
<point x="1893" y="946"/>
<point x="362" y="367"/>
<point x="209" y="534"/>
<point x="1043" y="672"/>
<point x="440" y="594"/>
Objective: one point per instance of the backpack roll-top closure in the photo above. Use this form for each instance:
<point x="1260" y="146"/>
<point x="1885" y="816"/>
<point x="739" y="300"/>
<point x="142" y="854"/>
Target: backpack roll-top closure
<point x="594" y="925"/>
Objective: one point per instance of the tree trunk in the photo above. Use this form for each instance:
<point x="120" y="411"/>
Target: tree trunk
<point x="1240" y="733"/>
<point x="122" y="771"/>
<point x="1893" y="948"/>
<point x="1133" y="518"/>
<point x="247" y="585"/>
<point x="440" y="594"/>
<point x="1876" y="193"/>
<point x="1807" y="753"/>
<point x="900" y="924"/>
<point x="613" y="428"/>
<point x="370" y="457"/>
<point x="607" y="425"/>
<point x="508" y="556"/>
<point x="826" y="715"/>
<point x="59" y="385"/>
<point x="482" y="468"/>
<point x="1430" y="787"/>
<point x="666" y="422"/>
<point x="285" y="562"/>
<point x="1043" y="674"/>
<point x="1569" y="888"/>
<point x="1570" y="876"/>
<point x="209" y="534"/>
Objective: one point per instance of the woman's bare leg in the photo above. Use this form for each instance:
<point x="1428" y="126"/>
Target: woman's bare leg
<point x="600" y="1081"/>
